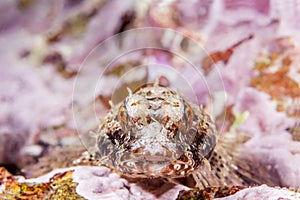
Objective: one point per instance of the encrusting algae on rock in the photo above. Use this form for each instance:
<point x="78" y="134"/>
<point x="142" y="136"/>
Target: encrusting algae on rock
<point x="60" y="186"/>
<point x="155" y="133"/>
<point x="255" y="54"/>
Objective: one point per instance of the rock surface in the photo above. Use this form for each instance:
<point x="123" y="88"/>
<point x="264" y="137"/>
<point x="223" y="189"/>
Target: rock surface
<point x="61" y="63"/>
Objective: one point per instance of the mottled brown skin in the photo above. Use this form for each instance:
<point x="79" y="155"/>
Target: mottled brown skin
<point x="156" y="132"/>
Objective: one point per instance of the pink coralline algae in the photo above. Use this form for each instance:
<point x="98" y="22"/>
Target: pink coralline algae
<point x="63" y="61"/>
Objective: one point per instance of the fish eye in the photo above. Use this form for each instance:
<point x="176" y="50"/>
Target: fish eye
<point x="188" y="114"/>
<point x="123" y="116"/>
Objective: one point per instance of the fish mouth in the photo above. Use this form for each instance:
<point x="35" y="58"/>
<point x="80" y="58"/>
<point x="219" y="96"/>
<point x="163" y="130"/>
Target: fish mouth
<point x="146" y="166"/>
<point x="147" y="161"/>
<point x="156" y="151"/>
<point x="151" y="158"/>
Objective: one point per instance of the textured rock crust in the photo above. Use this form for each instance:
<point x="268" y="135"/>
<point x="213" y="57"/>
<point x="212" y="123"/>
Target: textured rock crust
<point x="46" y="46"/>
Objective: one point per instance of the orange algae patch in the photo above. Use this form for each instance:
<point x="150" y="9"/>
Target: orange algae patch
<point x="60" y="186"/>
<point x="274" y="73"/>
